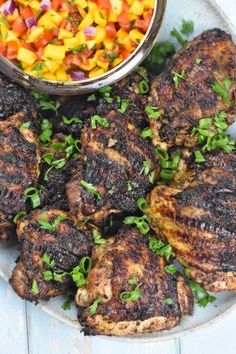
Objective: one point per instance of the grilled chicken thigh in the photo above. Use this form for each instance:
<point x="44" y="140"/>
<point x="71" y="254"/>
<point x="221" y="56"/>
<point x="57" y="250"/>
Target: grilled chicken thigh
<point x="14" y="98"/>
<point x="200" y="221"/>
<point x="19" y="165"/>
<point x="126" y="264"/>
<point x="184" y="92"/>
<point x="47" y="236"/>
<point x="117" y="167"/>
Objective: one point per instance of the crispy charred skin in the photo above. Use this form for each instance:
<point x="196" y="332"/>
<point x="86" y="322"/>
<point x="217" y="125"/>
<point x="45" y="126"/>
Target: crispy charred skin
<point x="112" y="161"/>
<point x="84" y="107"/>
<point x="19" y="165"/>
<point x="74" y="107"/>
<point x="14" y="98"/>
<point x="200" y="221"/>
<point x="66" y="246"/>
<point x="194" y="97"/>
<point x="122" y="258"/>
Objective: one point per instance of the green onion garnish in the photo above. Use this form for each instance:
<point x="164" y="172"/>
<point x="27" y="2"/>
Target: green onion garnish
<point x="94" y="306"/>
<point x="199" y="157"/>
<point x="33" y="194"/>
<point x="97" y="119"/>
<point x="142" y="223"/>
<point x="91" y="189"/>
<point x="131" y="295"/>
<point x="142" y="204"/>
<point x="85" y="265"/>
<point x="147" y="133"/>
<point x="143" y="87"/>
<point x="19" y="216"/>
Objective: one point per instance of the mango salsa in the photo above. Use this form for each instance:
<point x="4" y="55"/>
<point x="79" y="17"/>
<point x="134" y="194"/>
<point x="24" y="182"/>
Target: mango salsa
<point x="66" y="40"/>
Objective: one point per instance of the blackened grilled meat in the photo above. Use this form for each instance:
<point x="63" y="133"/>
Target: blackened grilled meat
<point x="65" y="246"/>
<point x="19" y="165"/>
<point x="14" y="98"/>
<point x="124" y="258"/>
<point x="113" y="162"/>
<point x="200" y="221"/>
<point x="184" y="102"/>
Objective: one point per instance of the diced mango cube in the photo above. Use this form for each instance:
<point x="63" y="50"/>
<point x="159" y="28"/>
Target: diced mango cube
<point x="50" y="20"/>
<point x="116" y="61"/>
<point x="81" y="3"/>
<point x="100" y="34"/>
<point x="149" y="4"/>
<point x="86" y="22"/>
<point x="96" y="72"/>
<point x="113" y="17"/>
<point x="63" y="34"/>
<point x="71" y="43"/>
<point x="35" y="33"/>
<point x="136" y="36"/>
<point x="56" y="52"/>
<point x="108" y="43"/>
<point x="52" y="65"/>
<point x="81" y="37"/>
<point x="99" y="18"/>
<point x="26" y="56"/>
<point x="136" y="8"/>
<point x="121" y="35"/>
<point x="61" y="74"/>
<point x="91" y="44"/>
<point x="49" y="76"/>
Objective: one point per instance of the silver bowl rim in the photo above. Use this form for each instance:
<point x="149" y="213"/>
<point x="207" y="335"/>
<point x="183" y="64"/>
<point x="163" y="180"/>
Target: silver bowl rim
<point x="92" y="84"/>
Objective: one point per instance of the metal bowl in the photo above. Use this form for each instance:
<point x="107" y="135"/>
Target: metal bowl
<point x="88" y="85"/>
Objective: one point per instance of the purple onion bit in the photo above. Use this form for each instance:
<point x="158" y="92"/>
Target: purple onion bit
<point x="90" y="31"/>
<point x="30" y="22"/>
<point x="8" y="8"/>
<point x="77" y="75"/>
<point x="45" y="5"/>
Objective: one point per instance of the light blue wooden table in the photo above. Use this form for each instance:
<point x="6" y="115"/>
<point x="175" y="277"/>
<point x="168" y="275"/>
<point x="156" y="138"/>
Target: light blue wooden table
<point x="25" y="329"/>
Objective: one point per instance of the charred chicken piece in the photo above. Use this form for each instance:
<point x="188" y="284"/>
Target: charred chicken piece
<point x="19" y="165"/>
<point x="200" y="222"/>
<point x="184" y="92"/>
<point x="126" y="265"/>
<point x="117" y="167"/>
<point x="51" y="234"/>
<point x="83" y="107"/>
<point x="14" y="98"/>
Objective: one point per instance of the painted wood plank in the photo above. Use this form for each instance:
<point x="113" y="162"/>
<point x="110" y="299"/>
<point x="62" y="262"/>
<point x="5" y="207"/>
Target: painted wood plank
<point x="47" y="336"/>
<point x="13" y="330"/>
<point x="219" y="338"/>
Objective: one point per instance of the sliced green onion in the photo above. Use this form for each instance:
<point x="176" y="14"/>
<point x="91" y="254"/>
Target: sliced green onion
<point x="166" y="174"/>
<point x="91" y="189"/>
<point x="93" y="308"/>
<point x="142" y="223"/>
<point x="170" y="269"/>
<point x="19" y="216"/>
<point x="143" y="87"/>
<point x="131" y="295"/>
<point x="162" y="154"/>
<point x="33" y="194"/>
<point x="168" y="301"/>
<point x="71" y="120"/>
<point x="153" y="112"/>
<point x="199" y="157"/>
<point x="85" y="265"/>
<point x="142" y="204"/>
<point x="147" y="133"/>
<point x="97" y="119"/>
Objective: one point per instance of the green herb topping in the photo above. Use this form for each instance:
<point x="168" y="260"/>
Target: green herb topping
<point x="160" y="249"/>
<point x="97" y="237"/>
<point x="91" y="189"/>
<point x="142" y="223"/>
<point x="97" y="119"/>
<point x="93" y="308"/>
<point x="33" y="194"/>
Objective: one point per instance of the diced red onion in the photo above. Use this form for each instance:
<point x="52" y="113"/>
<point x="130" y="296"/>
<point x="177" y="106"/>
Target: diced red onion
<point x="30" y="22"/>
<point x="45" y="5"/>
<point x="90" y="31"/>
<point x="77" y="75"/>
<point x="8" y="8"/>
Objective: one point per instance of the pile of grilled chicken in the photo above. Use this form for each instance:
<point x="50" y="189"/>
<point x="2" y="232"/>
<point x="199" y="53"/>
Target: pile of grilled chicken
<point x="83" y="202"/>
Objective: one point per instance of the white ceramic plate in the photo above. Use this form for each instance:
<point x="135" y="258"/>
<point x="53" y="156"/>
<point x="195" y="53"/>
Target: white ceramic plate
<point x="206" y="14"/>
